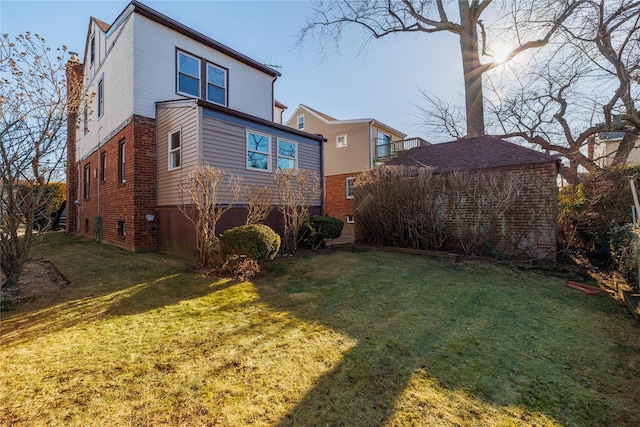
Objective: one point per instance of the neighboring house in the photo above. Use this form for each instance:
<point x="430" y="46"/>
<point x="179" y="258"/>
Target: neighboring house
<point x="532" y="223"/>
<point x="603" y="148"/>
<point x="167" y="98"/>
<point x="351" y="147"/>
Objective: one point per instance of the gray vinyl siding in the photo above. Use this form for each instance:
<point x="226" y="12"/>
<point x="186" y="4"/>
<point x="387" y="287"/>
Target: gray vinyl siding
<point x="224" y="147"/>
<point x="168" y="120"/>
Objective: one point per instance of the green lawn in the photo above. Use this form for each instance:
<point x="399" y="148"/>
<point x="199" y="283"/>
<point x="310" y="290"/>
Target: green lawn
<point x="353" y="338"/>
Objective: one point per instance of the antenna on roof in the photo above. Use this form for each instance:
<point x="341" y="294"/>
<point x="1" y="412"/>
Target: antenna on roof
<point x="266" y="64"/>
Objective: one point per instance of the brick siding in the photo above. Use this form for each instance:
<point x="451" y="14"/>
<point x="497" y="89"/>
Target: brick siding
<point x="129" y="202"/>
<point x="336" y="203"/>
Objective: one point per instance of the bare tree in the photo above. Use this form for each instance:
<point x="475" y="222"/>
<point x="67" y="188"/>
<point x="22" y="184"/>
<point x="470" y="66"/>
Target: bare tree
<point x="204" y="192"/>
<point x="567" y="93"/>
<point x="297" y="189"/>
<point x="527" y="25"/>
<point x="33" y="104"/>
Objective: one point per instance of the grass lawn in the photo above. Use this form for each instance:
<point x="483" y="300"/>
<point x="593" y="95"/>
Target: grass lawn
<point x="342" y="338"/>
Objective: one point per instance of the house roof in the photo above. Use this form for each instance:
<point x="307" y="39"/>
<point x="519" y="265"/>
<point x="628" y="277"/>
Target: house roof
<point x="102" y="25"/>
<point x="144" y="10"/>
<point x="330" y="120"/>
<point x="483" y="152"/>
<point x="239" y="114"/>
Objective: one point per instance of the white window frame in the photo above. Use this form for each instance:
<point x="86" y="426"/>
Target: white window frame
<point x="101" y="97"/>
<point x="92" y="50"/>
<point x="300" y="119"/>
<point x="170" y="150"/>
<point x="178" y="72"/>
<point x="278" y="156"/>
<point x="224" y="71"/>
<point x="344" y="141"/>
<point x="250" y="150"/>
<point x="122" y="161"/>
<point x="351" y="219"/>
<point x="103" y="166"/>
<point x="353" y="180"/>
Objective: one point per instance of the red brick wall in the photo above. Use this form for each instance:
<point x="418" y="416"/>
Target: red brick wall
<point x="336" y="203"/>
<point x="129" y="202"/>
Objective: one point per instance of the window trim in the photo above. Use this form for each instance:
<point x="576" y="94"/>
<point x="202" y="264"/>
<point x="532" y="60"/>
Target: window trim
<point x="92" y="50"/>
<point x="344" y="136"/>
<point x="103" y="166"/>
<point x="301" y="116"/>
<point x="350" y="219"/>
<point x="170" y="151"/>
<point x="353" y="180"/>
<point x="122" y="162"/>
<point x="248" y="150"/>
<point x="178" y="72"/>
<point x="226" y="92"/>
<point x="101" y="97"/>
<point x="87" y="181"/>
<point x="278" y="156"/>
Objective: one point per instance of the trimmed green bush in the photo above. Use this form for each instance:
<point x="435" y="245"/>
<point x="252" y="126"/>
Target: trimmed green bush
<point x="319" y="228"/>
<point x="256" y="241"/>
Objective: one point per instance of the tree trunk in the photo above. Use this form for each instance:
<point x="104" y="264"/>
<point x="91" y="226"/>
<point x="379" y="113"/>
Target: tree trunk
<point x="472" y="71"/>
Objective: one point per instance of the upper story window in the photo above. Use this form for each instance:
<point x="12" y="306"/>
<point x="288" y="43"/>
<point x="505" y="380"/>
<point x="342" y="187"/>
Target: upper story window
<point x="258" y="151"/>
<point x="383" y="145"/>
<point x="216" y="85"/>
<point x="301" y="121"/>
<point x="190" y="81"/>
<point x="188" y="75"/>
<point x="92" y="49"/>
<point x="101" y="97"/>
<point x="175" y="149"/>
<point x="287" y="154"/>
<point x="122" y="177"/>
<point x="350" y="185"/>
<point x="341" y="141"/>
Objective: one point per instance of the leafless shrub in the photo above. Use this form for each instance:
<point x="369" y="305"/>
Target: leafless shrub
<point x="259" y="202"/>
<point x="204" y="204"/>
<point x="415" y="207"/>
<point x="297" y="189"/>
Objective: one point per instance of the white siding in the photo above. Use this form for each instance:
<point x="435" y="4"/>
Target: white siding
<point x="114" y="63"/>
<point x="249" y="90"/>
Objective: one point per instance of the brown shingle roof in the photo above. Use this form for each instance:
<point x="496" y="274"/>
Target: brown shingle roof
<point x="483" y="152"/>
<point x="103" y="25"/>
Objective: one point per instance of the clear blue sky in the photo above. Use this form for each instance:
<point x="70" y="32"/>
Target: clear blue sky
<point x="380" y="81"/>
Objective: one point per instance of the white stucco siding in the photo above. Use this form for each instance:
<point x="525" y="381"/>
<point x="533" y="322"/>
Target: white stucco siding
<point x="249" y="90"/>
<point x="113" y="65"/>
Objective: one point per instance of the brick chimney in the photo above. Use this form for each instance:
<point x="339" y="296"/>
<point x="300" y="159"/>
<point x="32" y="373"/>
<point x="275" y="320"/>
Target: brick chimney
<point x="75" y="74"/>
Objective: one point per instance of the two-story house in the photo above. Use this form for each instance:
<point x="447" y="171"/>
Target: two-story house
<point x="351" y="147"/>
<point x="164" y="98"/>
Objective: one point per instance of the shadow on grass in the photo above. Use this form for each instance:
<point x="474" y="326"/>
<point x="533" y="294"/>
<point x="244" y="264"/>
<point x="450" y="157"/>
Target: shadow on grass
<point x="24" y="325"/>
<point x="515" y="342"/>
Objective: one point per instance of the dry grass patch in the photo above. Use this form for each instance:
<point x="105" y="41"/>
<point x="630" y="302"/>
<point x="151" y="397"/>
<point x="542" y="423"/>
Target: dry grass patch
<point x="342" y="338"/>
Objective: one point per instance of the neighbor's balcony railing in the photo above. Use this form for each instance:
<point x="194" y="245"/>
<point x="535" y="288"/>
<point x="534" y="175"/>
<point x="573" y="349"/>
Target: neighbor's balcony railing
<point x="385" y="150"/>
